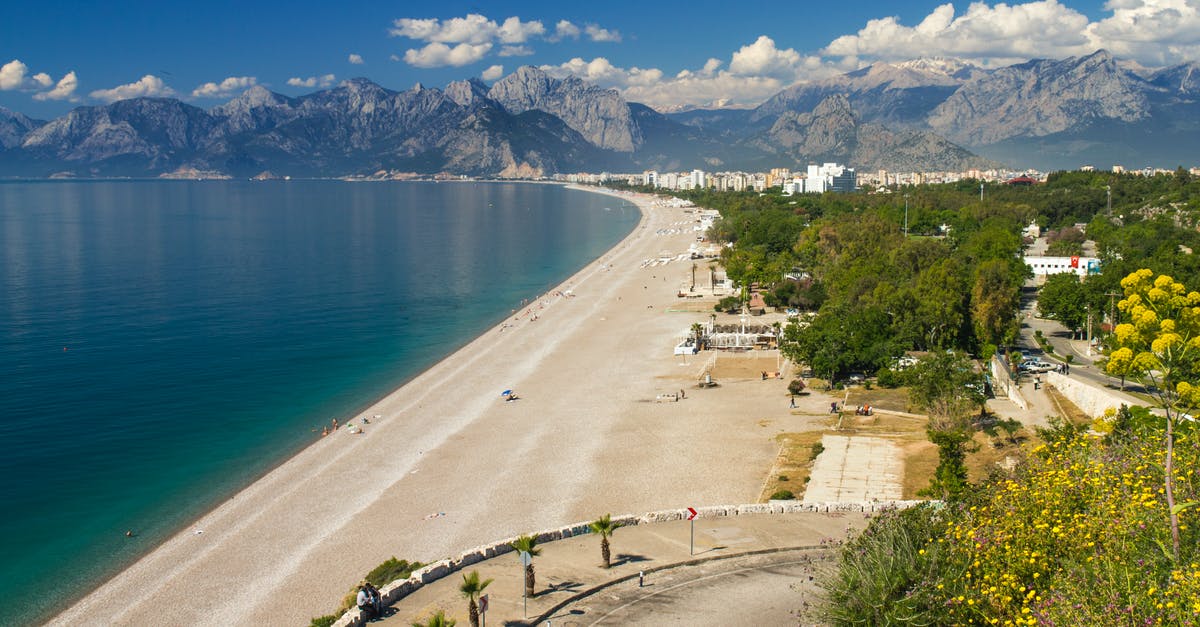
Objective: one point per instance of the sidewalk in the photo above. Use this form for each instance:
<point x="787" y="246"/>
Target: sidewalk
<point x="573" y="589"/>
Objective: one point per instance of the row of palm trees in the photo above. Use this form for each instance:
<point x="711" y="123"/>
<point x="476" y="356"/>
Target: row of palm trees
<point x="472" y="586"/>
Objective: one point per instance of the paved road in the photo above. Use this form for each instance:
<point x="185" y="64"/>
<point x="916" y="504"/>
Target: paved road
<point x="768" y="589"/>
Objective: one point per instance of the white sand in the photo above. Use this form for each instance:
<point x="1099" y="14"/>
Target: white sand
<point x="450" y="465"/>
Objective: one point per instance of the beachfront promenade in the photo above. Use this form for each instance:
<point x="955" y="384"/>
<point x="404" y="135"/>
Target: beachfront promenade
<point x="747" y="564"/>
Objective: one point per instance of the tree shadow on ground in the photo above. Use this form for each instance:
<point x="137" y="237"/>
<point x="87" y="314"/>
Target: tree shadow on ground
<point x="628" y="558"/>
<point x="562" y="586"/>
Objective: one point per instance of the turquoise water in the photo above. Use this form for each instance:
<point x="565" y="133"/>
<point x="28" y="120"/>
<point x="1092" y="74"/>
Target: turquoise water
<point x="162" y="344"/>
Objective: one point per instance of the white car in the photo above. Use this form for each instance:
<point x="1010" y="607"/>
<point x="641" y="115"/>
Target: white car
<point x="1037" y="366"/>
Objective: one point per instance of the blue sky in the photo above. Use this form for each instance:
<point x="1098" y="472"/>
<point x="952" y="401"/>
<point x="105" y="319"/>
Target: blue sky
<point x="55" y="56"/>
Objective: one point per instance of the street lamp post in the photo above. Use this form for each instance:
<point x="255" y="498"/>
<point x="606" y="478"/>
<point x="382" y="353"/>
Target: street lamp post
<point x="906" y="215"/>
<point x="981" y="192"/>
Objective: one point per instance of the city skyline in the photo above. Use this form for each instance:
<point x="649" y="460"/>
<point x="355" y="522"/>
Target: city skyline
<point x="56" y="57"/>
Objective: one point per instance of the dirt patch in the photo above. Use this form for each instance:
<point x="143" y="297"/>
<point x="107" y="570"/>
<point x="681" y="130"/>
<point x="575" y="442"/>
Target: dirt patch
<point x="749" y="366"/>
<point x="920" y="462"/>
<point x="1066" y="408"/>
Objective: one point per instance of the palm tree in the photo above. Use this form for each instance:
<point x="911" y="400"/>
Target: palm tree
<point x="605" y="527"/>
<point x="527" y="544"/>
<point x="471" y="588"/>
<point x="438" y="619"/>
<point x="698" y="333"/>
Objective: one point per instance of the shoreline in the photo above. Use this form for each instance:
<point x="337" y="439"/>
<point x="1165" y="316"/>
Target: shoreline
<point x="290" y="544"/>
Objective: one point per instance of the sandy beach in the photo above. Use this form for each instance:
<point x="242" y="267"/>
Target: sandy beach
<point x="449" y="464"/>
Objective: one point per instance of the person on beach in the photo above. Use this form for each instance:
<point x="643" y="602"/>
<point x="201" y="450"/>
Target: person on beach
<point x="793" y="406"/>
<point x="335" y="424"/>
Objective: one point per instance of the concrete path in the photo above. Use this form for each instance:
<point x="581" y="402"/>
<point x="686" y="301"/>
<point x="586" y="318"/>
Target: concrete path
<point x="856" y="468"/>
<point x="742" y="565"/>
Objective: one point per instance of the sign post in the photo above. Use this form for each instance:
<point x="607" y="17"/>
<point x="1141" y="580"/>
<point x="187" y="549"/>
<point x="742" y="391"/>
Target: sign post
<point x="526" y="560"/>
<point x="692" y="538"/>
<point x="483" y="603"/>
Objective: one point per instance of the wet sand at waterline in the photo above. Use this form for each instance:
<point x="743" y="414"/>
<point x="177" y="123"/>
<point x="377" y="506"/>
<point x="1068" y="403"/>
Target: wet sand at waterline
<point x="449" y="465"/>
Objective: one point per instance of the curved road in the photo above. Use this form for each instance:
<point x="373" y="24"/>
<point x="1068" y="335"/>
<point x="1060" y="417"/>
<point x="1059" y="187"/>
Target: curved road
<point x="771" y="589"/>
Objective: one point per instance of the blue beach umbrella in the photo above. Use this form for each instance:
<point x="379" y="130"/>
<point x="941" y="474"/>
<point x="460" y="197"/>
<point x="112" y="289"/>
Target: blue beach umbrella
<point x="506" y="393"/>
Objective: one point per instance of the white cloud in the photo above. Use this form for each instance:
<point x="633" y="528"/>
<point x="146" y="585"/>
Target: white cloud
<point x="564" y="29"/>
<point x="464" y="40"/>
<point x="492" y="73"/>
<point x="1152" y="32"/>
<point x="515" y="51"/>
<point x="355" y="59"/>
<point x="473" y="29"/>
<point x="64" y="90"/>
<point x="394" y="57"/>
<point x="762" y="58"/>
<point x="224" y="89"/>
<point x="439" y="55"/>
<point x="648" y="85"/>
<point x="149" y="86"/>
<point x="42" y="79"/>
<point x="514" y="31"/>
<point x="595" y="33"/>
<point x="12" y="75"/>
<point x="312" y="81"/>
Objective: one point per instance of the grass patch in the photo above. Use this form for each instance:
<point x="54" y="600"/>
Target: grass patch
<point x="794" y="464"/>
<point x="891" y="399"/>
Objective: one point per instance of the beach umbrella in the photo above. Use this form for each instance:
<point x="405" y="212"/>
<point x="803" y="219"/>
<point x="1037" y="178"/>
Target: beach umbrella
<point x="506" y="393"/>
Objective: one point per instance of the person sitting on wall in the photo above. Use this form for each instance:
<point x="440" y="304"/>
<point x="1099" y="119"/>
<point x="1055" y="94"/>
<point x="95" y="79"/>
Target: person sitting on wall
<point x="363" y="600"/>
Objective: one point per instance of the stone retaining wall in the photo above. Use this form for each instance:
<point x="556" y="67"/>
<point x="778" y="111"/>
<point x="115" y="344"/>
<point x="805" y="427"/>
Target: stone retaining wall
<point x="1002" y="382"/>
<point x="1089" y="398"/>
<point x="397" y="590"/>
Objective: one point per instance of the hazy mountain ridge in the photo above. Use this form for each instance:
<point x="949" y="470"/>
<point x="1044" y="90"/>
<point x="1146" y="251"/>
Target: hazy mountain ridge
<point x="1043" y="113"/>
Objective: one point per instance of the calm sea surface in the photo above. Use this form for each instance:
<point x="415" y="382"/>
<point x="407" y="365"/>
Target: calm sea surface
<point x="162" y="344"/>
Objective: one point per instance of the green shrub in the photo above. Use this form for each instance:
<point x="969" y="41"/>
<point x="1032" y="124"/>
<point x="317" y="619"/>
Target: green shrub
<point x="884" y="572"/>
<point x="324" y="621"/>
<point x="783" y="495"/>
<point x="729" y="303"/>
<point x="889" y="378"/>
<point x="817" y="449"/>
<point x="783" y="477"/>
<point x="390" y="571"/>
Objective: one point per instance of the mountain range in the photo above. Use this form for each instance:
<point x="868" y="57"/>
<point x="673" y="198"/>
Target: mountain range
<point x="926" y="114"/>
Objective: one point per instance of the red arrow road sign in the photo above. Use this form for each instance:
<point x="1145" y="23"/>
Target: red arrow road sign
<point x="691" y="514"/>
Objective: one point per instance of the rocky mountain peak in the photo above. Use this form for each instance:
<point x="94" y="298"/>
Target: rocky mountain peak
<point x="601" y="115"/>
<point x="835" y="105"/>
<point x="468" y="93"/>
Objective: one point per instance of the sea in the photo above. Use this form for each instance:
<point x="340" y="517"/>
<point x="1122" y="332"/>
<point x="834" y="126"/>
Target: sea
<point x="165" y="343"/>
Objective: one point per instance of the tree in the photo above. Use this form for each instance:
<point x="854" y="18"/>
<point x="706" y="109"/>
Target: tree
<point x="1062" y="298"/>
<point x="438" y="619"/>
<point x="946" y="385"/>
<point x="471" y="588"/>
<point x="527" y="544"/>
<point x="604" y="526"/>
<point x="698" y="333"/>
<point x="1161" y="342"/>
<point x="994" y="301"/>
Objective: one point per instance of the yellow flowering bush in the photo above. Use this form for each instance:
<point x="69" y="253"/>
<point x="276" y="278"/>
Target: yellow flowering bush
<point x="1078" y="537"/>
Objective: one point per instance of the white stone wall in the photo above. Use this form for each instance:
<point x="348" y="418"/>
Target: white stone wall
<point x="397" y="590"/>
<point x="1002" y="383"/>
<point x="1090" y="399"/>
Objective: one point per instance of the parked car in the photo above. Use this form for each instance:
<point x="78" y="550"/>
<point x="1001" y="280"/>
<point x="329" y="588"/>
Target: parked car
<point x="1037" y="366"/>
